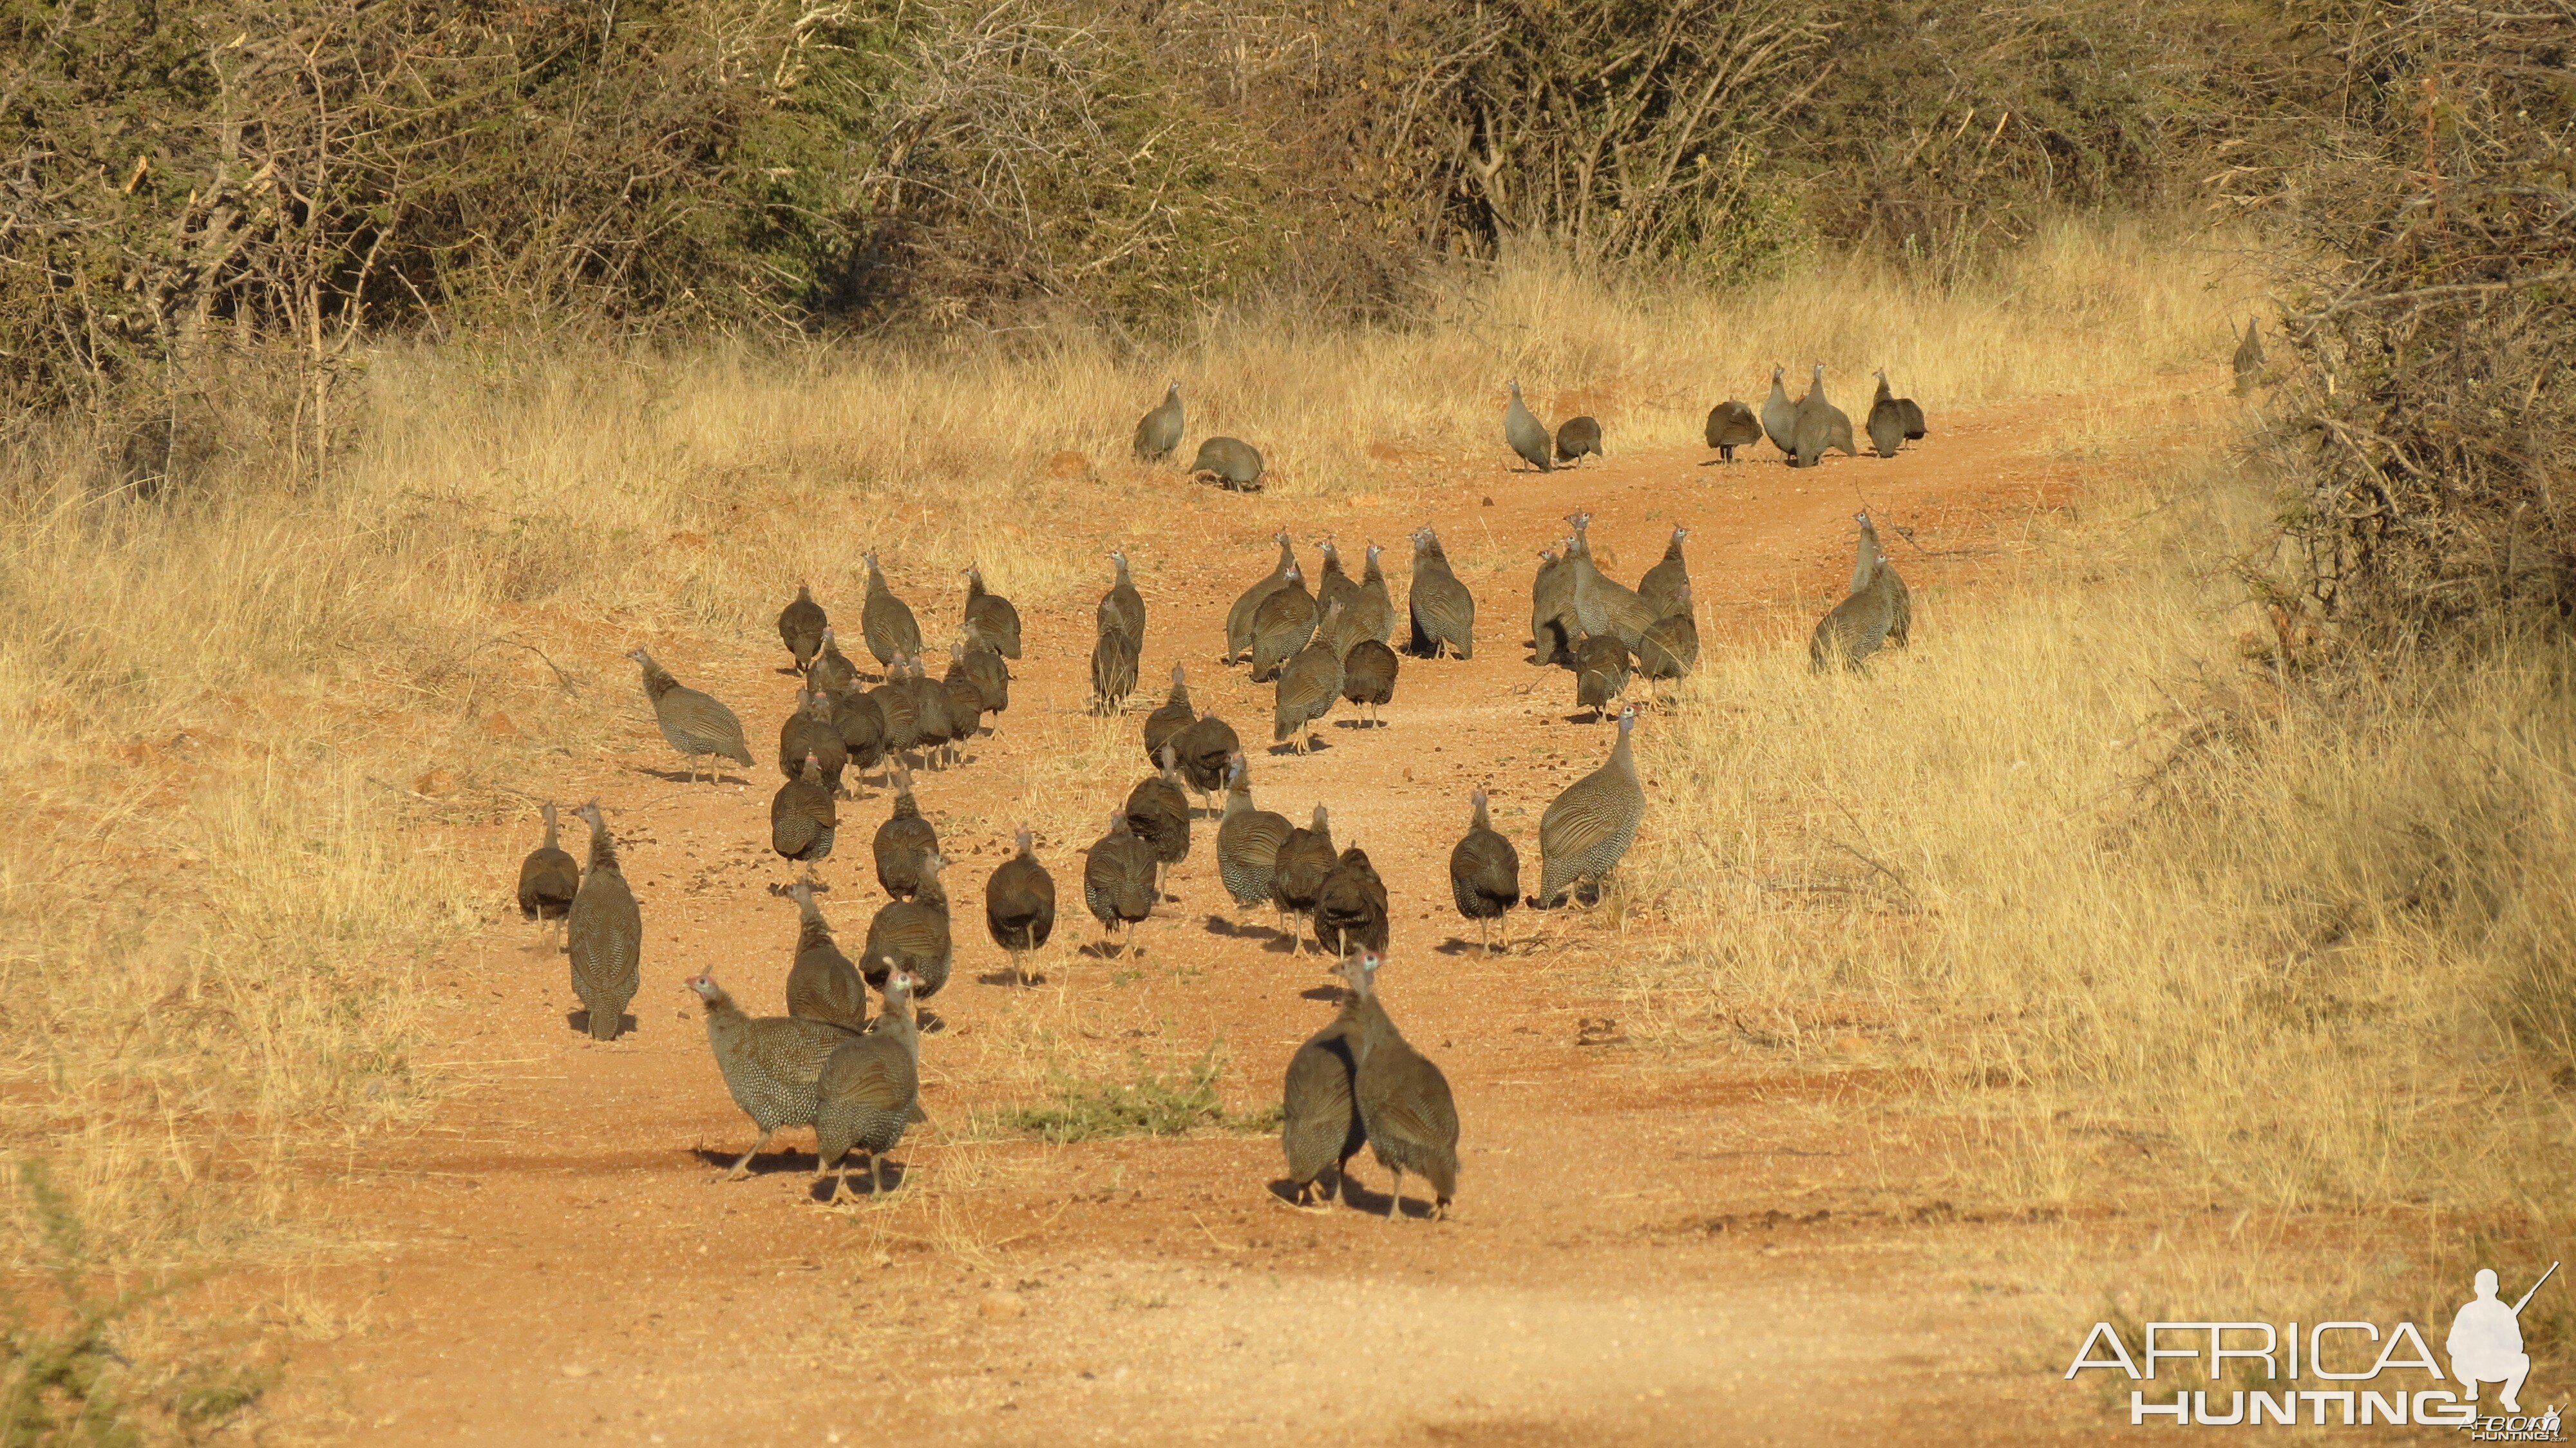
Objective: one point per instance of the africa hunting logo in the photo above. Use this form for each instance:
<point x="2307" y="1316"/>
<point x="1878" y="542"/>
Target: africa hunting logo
<point x="2484" y="1347"/>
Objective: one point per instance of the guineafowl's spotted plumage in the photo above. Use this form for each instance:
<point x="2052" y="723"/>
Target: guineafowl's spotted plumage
<point x="696" y="724"/>
<point x="1019" y="904"/>
<point x="1879" y="610"/>
<point x="932" y="728"/>
<point x="822" y="985"/>
<point x="903" y="841"/>
<point x="1247" y="841"/>
<point x="990" y="616"/>
<point x="1282" y="625"/>
<point x="965" y="697"/>
<point x="1350" y="906"/>
<point x="992" y="677"/>
<point x="1368" y="676"/>
<point x="1524" y="433"/>
<point x="1170" y="718"/>
<point x="1589" y="827"/>
<point x="1158" y="432"/>
<point x="1601" y="606"/>
<point x="1333" y="585"/>
<point x="1230" y="463"/>
<point x="803" y="819"/>
<point x="1319" y="1112"/>
<point x="549" y="878"/>
<point x="862" y="727"/>
<point x="1484" y="873"/>
<point x="831" y="670"/>
<point x="1118" y="879"/>
<point x="1601" y="669"/>
<point x="1731" y="425"/>
<point x="1820" y="424"/>
<point x="1113" y="666"/>
<point x="1577" y="438"/>
<point x="1551" y="609"/>
<point x="1207" y="749"/>
<point x="604" y="934"/>
<point x="885" y="620"/>
<point x="1886" y="424"/>
<point x="1665" y="581"/>
<point x="1780" y="416"/>
<point x="771" y="1064"/>
<point x="800" y="627"/>
<point x="813" y="729"/>
<point x="1298" y="871"/>
<point x="914" y="934"/>
<point x="1444" y="612"/>
<point x="2249" y="359"/>
<point x="1670" y="650"/>
<point x="1369" y="613"/>
<point x="899" y="711"/>
<point x="1122" y="606"/>
<point x="869" y="1091"/>
<point x="1238" y="619"/>
<point x="1404" y="1101"/>
<point x="1158" y="812"/>
<point x="1307" y="686"/>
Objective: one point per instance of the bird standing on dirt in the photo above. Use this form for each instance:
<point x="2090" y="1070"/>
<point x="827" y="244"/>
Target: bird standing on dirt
<point x="1732" y="425"/>
<point x="869" y="1091"/>
<point x="1601" y="606"/>
<point x="800" y="627"/>
<point x="1019" y="905"/>
<point x="1780" y="416"/>
<point x="822" y="985"/>
<point x="1319" y="1112"/>
<point x="771" y="1064"/>
<point x="1308" y="686"/>
<point x="1670" y="651"/>
<point x="831" y="670"/>
<point x="1230" y="463"/>
<point x="803" y="819"/>
<point x="604" y="934"/>
<point x="1207" y="750"/>
<point x="1404" y="1101"/>
<point x="1113" y="665"/>
<point x="1579" y="436"/>
<point x="1350" y="907"/>
<point x="1552" y="623"/>
<point x="1158" y="812"/>
<point x="886" y="620"/>
<point x="1282" y="625"/>
<point x="1368" y="677"/>
<point x="1247" y="841"/>
<point x="1484" y="873"/>
<point x="1821" y="425"/>
<point x="914" y="936"/>
<point x="1159" y="432"/>
<point x="1589" y="827"/>
<point x="548" y="880"/>
<point x="1238" y="619"/>
<point x="903" y="841"/>
<point x="813" y="731"/>
<point x="990" y="616"/>
<point x="862" y="727"/>
<point x="1444" y="612"/>
<point x="693" y="723"/>
<point x="1601" y="669"/>
<point x="1524" y="432"/>
<point x="1297" y="875"/>
<point x="1664" y="582"/>
<point x="1173" y="716"/>
<point x="1122" y="605"/>
<point x="1118" y="881"/>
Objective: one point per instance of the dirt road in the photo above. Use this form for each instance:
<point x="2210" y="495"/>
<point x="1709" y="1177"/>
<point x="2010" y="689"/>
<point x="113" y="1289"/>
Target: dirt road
<point x="1636" y="1253"/>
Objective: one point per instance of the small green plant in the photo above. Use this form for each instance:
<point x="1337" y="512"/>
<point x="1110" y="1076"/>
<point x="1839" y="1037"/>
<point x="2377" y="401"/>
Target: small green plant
<point x="1180" y="1098"/>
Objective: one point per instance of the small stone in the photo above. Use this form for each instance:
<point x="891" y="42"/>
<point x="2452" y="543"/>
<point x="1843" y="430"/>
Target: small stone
<point x="576" y="1370"/>
<point x="1001" y="1305"/>
<point x="1489" y="502"/>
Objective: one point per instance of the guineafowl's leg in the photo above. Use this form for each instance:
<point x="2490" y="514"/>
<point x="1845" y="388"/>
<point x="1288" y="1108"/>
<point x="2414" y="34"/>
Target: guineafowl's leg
<point x="1395" y="1196"/>
<point x="742" y="1167"/>
<point x="876" y="1175"/>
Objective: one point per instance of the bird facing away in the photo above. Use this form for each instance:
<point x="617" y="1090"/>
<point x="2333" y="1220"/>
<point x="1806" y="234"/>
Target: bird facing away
<point x="822" y="985"/>
<point x="1484" y="873"/>
<point x="1174" y="715"/>
<point x="803" y="819"/>
<point x="771" y="1064"/>
<point x="1601" y="670"/>
<point x="1670" y="651"/>
<point x="831" y="670"/>
<point x="990" y="616"/>
<point x="1900" y="623"/>
<point x="2249" y="359"/>
<point x="1333" y="585"/>
<point x="932" y="728"/>
<point x="965" y="700"/>
<point x="1590" y="826"/>
<point x="1821" y="425"/>
<point x="549" y="879"/>
<point x="1665" y="581"/>
<point x="1238" y="619"/>
<point x="913" y="936"/>
<point x="1368" y="677"/>
<point x="1118" y="882"/>
<point x="1886" y="425"/>
<point x="1350" y="906"/>
<point x="862" y="727"/>
<point x="1019" y="905"/>
<point x="1551" y="609"/>
<point x="869" y="1091"/>
<point x="1780" y="416"/>
<point x="899" y="710"/>
<point x="1158" y="812"/>
<point x="1444" y="612"/>
<point x="1579" y="436"/>
<point x="1159" y="432"/>
<point x="886" y="620"/>
<point x="1282" y="625"/>
<point x="1230" y="463"/>
<point x="605" y="934"/>
<point x="1207" y="751"/>
<point x="696" y="724"/>
<point x="1732" y="425"/>
<point x="1405" y="1105"/>
<point x="903" y="841"/>
<point x="1368" y="613"/>
<point x="1525" y="433"/>
<point x="1319" y="1112"/>
<point x="813" y="729"/>
<point x="1304" y="859"/>
<point x="1307" y="686"/>
<point x="1247" y="841"/>
<point x="1122" y="605"/>
<point x="800" y="627"/>
<point x="1113" y="665"/>
<point x="984" y="669"/>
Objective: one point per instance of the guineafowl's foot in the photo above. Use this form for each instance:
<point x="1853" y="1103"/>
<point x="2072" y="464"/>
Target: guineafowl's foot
<point x="742" y="1166"/>
<point x="1440" y="1210"/>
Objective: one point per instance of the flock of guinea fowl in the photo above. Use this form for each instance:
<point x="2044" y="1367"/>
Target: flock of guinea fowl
<point x="855" y="1078"/>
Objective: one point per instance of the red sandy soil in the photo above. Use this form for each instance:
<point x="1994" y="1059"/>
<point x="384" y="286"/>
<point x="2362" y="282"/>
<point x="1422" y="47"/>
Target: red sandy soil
<point x="1636" y="1253"/>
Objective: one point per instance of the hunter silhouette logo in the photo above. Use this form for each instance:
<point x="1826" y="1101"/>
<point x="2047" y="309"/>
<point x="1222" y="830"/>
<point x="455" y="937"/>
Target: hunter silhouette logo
<point x="2486" y="1341"/>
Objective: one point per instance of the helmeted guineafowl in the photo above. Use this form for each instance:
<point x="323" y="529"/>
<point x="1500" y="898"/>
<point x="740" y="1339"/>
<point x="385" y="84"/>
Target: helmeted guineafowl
<point x="1159" y="432"/>
<point x="1731" y="425"/>
<point x="1577" y="438"/>
<point x="932" y="725"/>
<point x="1368" y="677"/>
<point x="990" y="616"/>
<point x="1900" y="599"/>
<point x="862" y="727"/>
<point x="696" y="724"/>
<point x="903" y="841"/>
<point x="1821" y="425"/>
<point x="1247" y="841"/>
<point x="913" y="935"/>
<point x="1601" y="669"/>
<point x="800" y="627"/>
<point x="604" y="933"/>
<point x="1780" y="416"/>
<point x="831" y="670"/>
<point x="1173" y="716"/>
<point x="1019" y="904"/>
<point x="803" y="819"/>
<point x="1238" y="619"/>
<point x="1866" y="619"/>
<point x="1122" y="605"/>
<point x="1350" y="906"/>
<point x="1525" y="433"/>
<point x="1886" y="424"/>
<point x="549" y="878"/>
<point x="1444" y="612"/>
<point x="1118" y="881"/>
<point x="822" y="985"/>
<point x="965" y="699"/>
<point x="813" y="730"/>
<point x="869" y="1090"/>
<point x="1230" y="463"/>
<point x="1283" y="624"/>
<point x="886" y="620"/>
<point x="1670" y="651"/>
<point x="1113" y="665"/>
<point x="1308" y="686"/>
<point x="984" y="668"/>
<point x="1405" y="1105"/>
<point x="1333" y="585"/>
<point x="1319" y="1112"/>
<point x="771" y="1064"/>
<point x="1297" y="876"/>
<point x="1665" y="581"/>
<point x="1590" y="826"/>
<point x="1552" y="625"/>
<point x="1207" y="750"/>
<point x="1158" y="812"/>
<point x="1369" y="613"/>
<point x="2249" y="359"/>
<point x="1601" y="606"/>
<point x="1484" y="873"/>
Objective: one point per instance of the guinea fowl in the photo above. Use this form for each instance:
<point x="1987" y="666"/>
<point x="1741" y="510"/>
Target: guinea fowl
<point x="771" y="1064"/>
<point x="1780" y="416"/>
<point x="897" y="710"/>
<point x="1207" y="750"/>
<point x="1333" y="585"/>
<point x="1282" y="625"/>
<point x="1350" y="907"/>
<point x="1238" y="619"/>
<point x="1590" y="826"/>
<point x="903" y="841"/>
<point x="1821" y="425"/>
<point x="604" y="934"/>
<point x="1579" y="436"/>
<point x="1670" y="651"/>
<point x="868" y="1091"/>
<point x="802" y="818"/>
<point x="2249" y="359"/>
<point x="1297" y="876"/>
<point x="965" y="696"/>
<point x="1732" y="425"/>
<point x="1867" y="619"/>
<point x="1118" y="881"/>
<point x="1230" y="463"/>
<point x="1122" y="605"/>
<point x="1484" y="873"/>
<point x="813" y="730"/>
<point x="913" y="935"/>
<point x="549" y="879"/>
<point x="1444" y="612"/>
<point x="1247" y="841"/>
<point x="887" y="620"/>
<point x="1019" y="905"/>
<point x="831" y="670"/>
<point x="1319" y="1113"/>
<point x="862" y="727"/>
<point x="1159" y="814"/>
<point x="1900" y="623"/>
<point x="1368" y="676"/>
<point x="1524" y="432"/>
<point x="1158" y="432"/>
<point x="1552" y="609"/>
<point x="1886" y="425"/>
<point x="1308" y="686"/>
<point x="1601" y="669"/>
<point x="1113" y="665"/>
<point x="1665" y="581"/>
<point x="1174" y="715"/>
<point x="696" y="724"/>
<point x="1404" y="1101"/>
<point x="822" y="985"/>
<point x="990" y="616"/>
<point x="1368" y="613"/>
<point x="992" y="679"/>
<point x="930" y="714"/>
<point x="1602" y="607"/>
<point x="800" y="627"/>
